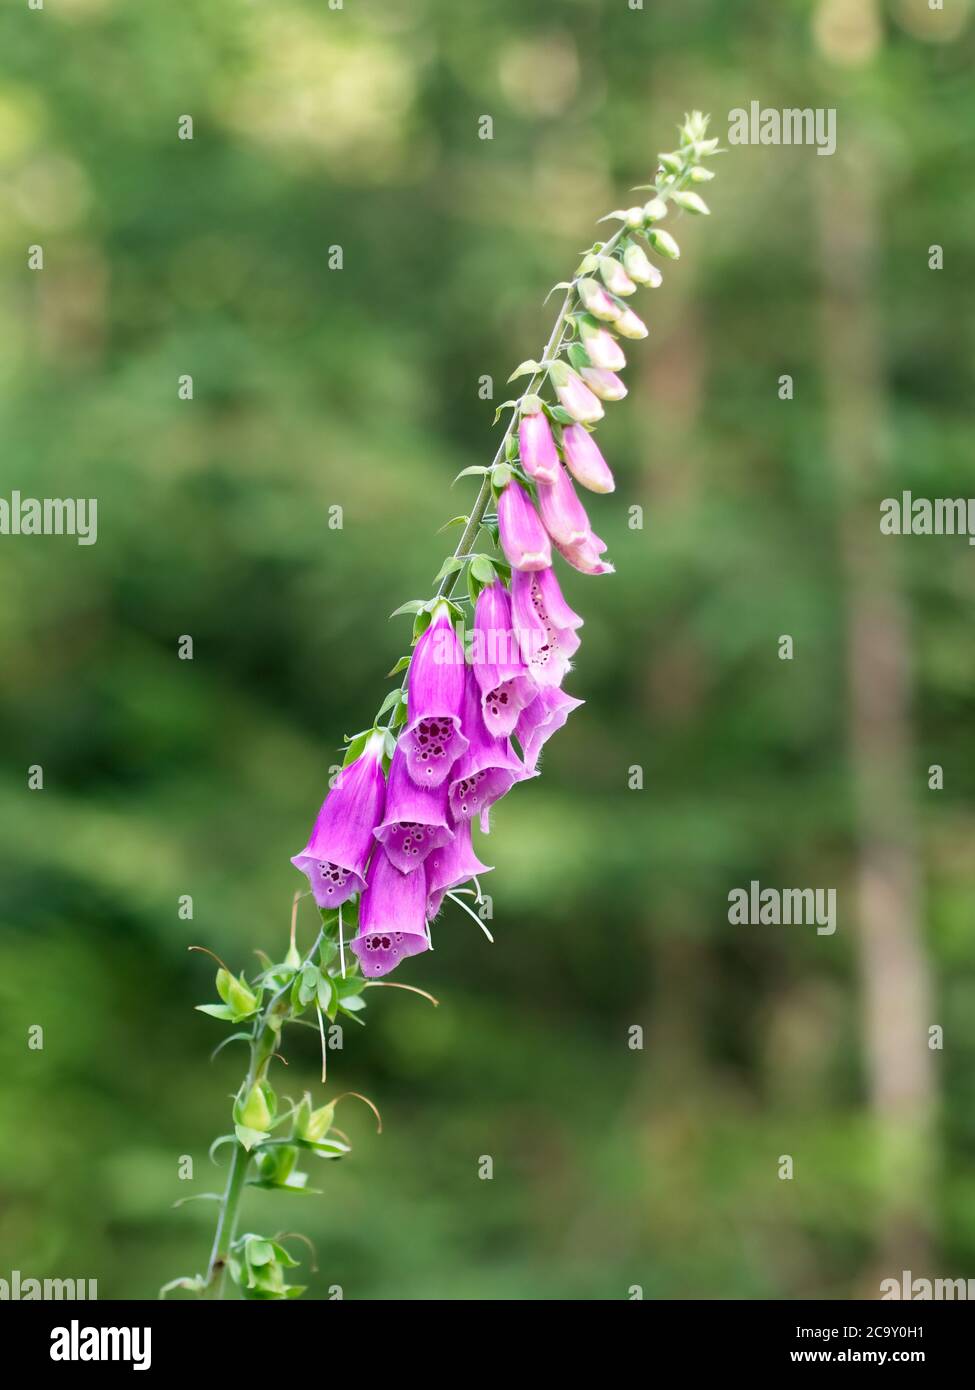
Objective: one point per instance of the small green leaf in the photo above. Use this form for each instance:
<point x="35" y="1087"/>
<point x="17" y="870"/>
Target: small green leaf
<point x="401" y="665"/>
<point x="222" y="1011"/>
<point x="391" y="699"/>
<point x="483" y="570"/>
<point x="195" y="1283"/>
<point x="249" y="1137"/>
<point x="527" y="368"/>
<point x="412" y="605"/>
<point x="475" y="470"/>
<point x="450" y="566"/>
<point x="308" y="983"/>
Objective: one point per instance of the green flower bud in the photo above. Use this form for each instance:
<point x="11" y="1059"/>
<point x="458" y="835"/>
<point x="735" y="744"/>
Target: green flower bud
<point x="634" y="217"/>
<point x="695" y="127"/>
<point x="664" y="243"/>
<point x="254" y="1112"/>
<point x="237" y="994"/>
<point x="692" y="202"/>
<point x="319" y="1122"/>
<point x="293" y="959"/>
<point x="654" y="210"/>
<point x="671" y="162"/>
<point x="701" y="175"/>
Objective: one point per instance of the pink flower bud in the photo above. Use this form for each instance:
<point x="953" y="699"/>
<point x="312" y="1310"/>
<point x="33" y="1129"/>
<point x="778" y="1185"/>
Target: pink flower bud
<point x="615" y="277"/>
<point x="563" y="515"/>
<point x="607" y="385"/>
<point x="573" y="393"/>
<point x="602" y="347"/>
<point x="523" y="538"/>
<point x="585" y="556"/>
<point x="537" y="447"/>
<point x="597" y="301"/>
<point x="585" y="461"/>
<point x="630" y="325"/>
<point x="640" y="268"/>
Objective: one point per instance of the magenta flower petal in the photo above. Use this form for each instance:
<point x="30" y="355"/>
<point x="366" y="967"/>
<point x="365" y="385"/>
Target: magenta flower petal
<point x="432" y="740"/>
<point x="416" y="818"/>
<point x="543" y="717"/>
<point x="563" y="515"/>
<point x="392" y="917"/>
<point x="537" y="447"/>
<point x="335" y="856"/>
<point x="523" y="538"/>
<point x="545" y="624"/>
<point x="497" y="663"/>
<point x="451" y="866"/>
<point x="487" y="770"/>
<point x="585" y="461"/>
<point x="501" y="706"/>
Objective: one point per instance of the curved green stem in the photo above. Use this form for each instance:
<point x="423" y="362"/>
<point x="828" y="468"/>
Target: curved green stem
<point x="261" y="1048"/>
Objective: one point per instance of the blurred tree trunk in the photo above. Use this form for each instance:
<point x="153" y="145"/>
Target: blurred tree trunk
<point x="674" y="684"/>
<point x="894" y="975"/>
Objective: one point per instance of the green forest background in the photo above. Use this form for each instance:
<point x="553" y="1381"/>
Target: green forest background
<point x="314" y="388"/>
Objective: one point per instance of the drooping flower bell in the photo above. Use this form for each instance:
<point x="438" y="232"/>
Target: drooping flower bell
<point x="335" y="856"/>
<point x="585" y="461"/>
<point x="523" y="538"/>
<point x="573" y="393"/>
<point x="432" y="740"/>
<point x="496" y="660"/>
<point x="563" y="515"/>
<point x="392" y="917"/>
<point x="487" y="770"/>
<point x="602" y="348"/>
<point x="545" y="624"/>
<point x="416" y="817"/>
<point x="536" y="447"/>
<point x="541" y="719"/>
<point x="452" y="865"/>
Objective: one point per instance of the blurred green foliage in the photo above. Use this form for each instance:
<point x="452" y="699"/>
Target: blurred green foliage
<point x="313" y="388"/>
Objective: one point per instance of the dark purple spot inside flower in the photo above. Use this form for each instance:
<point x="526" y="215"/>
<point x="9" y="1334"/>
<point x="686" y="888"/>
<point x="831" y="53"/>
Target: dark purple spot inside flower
<point x="333" y="877"/>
